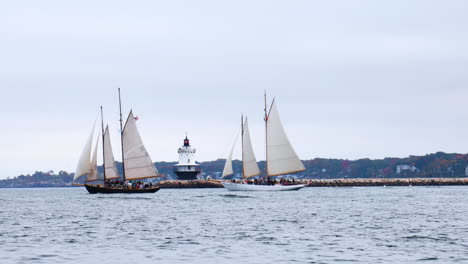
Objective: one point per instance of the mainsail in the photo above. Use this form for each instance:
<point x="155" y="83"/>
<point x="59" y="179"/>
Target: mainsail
<point x="110" y="169"/>
<point x="84" y="164"/>
<point x="281" y="157"/>
<point x="249" y="163"/>
<point x="137" y="162"/>
<point x="228" y="166"/>
<point x="93" y="175"/>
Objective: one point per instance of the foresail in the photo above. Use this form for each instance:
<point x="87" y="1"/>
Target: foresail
<point x="228" y="166"/>
<point x="84" y="165"/>
<point x="249" y="163"/>
<point x="138" y="164"/>
<point x="110" y="169"/>
<point x="281" y="157"/>
<point x="93" y="175"/>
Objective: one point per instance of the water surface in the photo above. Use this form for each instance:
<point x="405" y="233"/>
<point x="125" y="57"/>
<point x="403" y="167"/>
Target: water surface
<point x="313" y="225"/>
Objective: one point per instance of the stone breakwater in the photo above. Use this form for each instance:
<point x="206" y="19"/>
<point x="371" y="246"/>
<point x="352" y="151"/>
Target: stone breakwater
<point x="331" y="182"/>
<point x="172" y="184"/>
<point x="384" y="182"/>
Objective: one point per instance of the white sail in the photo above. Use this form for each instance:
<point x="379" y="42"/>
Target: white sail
<point x="93" y="175"/>
<point x="228" y="166"/>
<point x="138" y="164"/>
<point x="110" y="169"/>
<point x="249" y="163"/>
<point x="84" y="165"/>
<point x="281" y="157"/>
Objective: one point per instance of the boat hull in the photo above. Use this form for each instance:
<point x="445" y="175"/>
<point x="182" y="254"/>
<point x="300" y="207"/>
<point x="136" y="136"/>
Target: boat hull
<point x="101" y="189"/>
<point x="250" y="187"/>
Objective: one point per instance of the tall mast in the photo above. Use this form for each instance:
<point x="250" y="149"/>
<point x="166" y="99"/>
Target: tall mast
<point x="121" y="138"/>
<point x="242" y="143"/>
<point x="266" y="137"/>
<point x="103" y="149"/>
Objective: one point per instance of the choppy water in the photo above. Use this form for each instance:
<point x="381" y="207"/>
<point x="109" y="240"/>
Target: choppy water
<point x="313" y="225"/>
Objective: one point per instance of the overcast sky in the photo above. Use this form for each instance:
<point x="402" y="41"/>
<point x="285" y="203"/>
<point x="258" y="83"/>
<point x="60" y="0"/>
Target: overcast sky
<point x="352" y="79"/>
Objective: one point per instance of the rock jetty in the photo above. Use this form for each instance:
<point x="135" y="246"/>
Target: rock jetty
<point x="176" y="184"/>
<point x="330" y="182"/>
<point x="384" y="182"/>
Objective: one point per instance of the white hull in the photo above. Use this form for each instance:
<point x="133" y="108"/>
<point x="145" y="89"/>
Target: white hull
<point x="250" y="187"/>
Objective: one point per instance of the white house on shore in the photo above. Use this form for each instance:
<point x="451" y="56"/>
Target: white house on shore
<point x="404" y="167"/>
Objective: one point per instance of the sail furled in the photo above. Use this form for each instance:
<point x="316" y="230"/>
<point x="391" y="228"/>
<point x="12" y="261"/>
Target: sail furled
<point x="281" y="157"/>
<point x="110" y="168"/>
<point x="84" y="164"/>
<point x="138" y="164"/>
<point x="228" y="166"/>
<point x="249" y="163"/>
<point x="93" y="175"/>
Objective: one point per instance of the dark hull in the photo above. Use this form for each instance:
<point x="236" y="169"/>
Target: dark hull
<point x="101" y="189"/>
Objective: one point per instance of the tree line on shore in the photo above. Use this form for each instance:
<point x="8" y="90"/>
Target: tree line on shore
<point x="437" y="165"/>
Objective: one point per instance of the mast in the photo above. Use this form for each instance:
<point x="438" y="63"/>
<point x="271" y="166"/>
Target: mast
<point x="103" y="150"/>
<point x="242" y="143"/>
<point x="266" y="137"/>
<point x="121" y="138"/>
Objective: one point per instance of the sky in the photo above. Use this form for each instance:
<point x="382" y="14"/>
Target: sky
<point x="352" y="79"/>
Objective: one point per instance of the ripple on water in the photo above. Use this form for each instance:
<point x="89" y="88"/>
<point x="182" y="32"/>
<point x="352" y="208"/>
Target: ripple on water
<point x="124" y="197"/>
<point x="235" y="196"/>
<point x="47" y="256"/>
<point x="422" y="237"/>
<point x="429" y="259"/>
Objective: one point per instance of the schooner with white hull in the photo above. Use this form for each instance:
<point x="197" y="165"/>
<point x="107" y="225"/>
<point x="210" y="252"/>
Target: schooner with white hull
<point x="136" y="162"/>
<point x="280" y="156"/>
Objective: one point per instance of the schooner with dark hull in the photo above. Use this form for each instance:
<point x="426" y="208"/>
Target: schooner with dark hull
<point x="136" y="162"/>
<point x="100" y="189"/>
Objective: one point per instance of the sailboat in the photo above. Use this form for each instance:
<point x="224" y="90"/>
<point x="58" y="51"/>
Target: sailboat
<point x="136" y="162"/>
<point x="280" y="156"/>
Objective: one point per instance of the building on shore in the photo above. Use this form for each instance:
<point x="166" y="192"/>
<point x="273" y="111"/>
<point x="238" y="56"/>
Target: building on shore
<point x="187" y="168"/>
<point x="404" y="167"/>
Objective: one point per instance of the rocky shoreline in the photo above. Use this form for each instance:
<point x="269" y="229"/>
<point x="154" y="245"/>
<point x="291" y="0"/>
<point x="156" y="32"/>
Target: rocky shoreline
<point x="175" y="184"/>
<point x="385" y="182"/>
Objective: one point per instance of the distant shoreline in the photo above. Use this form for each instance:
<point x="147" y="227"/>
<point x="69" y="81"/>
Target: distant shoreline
<point x="355" y="182"/>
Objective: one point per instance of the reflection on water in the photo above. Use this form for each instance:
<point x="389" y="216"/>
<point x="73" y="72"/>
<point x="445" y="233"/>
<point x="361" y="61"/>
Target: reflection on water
<point x="313" y="225"/>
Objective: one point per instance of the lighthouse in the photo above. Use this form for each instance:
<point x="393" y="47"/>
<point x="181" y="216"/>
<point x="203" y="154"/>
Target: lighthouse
<point x="187" y="168"/>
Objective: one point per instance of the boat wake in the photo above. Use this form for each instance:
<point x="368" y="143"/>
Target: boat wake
<point x="124" y="198"/>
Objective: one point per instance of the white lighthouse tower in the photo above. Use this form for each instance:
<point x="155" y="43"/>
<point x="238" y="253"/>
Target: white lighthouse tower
<point x="187" y="168"/>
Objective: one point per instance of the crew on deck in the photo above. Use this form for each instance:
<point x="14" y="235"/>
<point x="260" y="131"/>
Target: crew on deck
<point x="127" y="184"/>
<point x="269" y="181"/>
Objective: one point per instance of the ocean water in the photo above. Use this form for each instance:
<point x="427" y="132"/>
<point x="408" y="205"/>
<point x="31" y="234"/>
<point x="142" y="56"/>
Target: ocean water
<point x="312" y="225"/>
